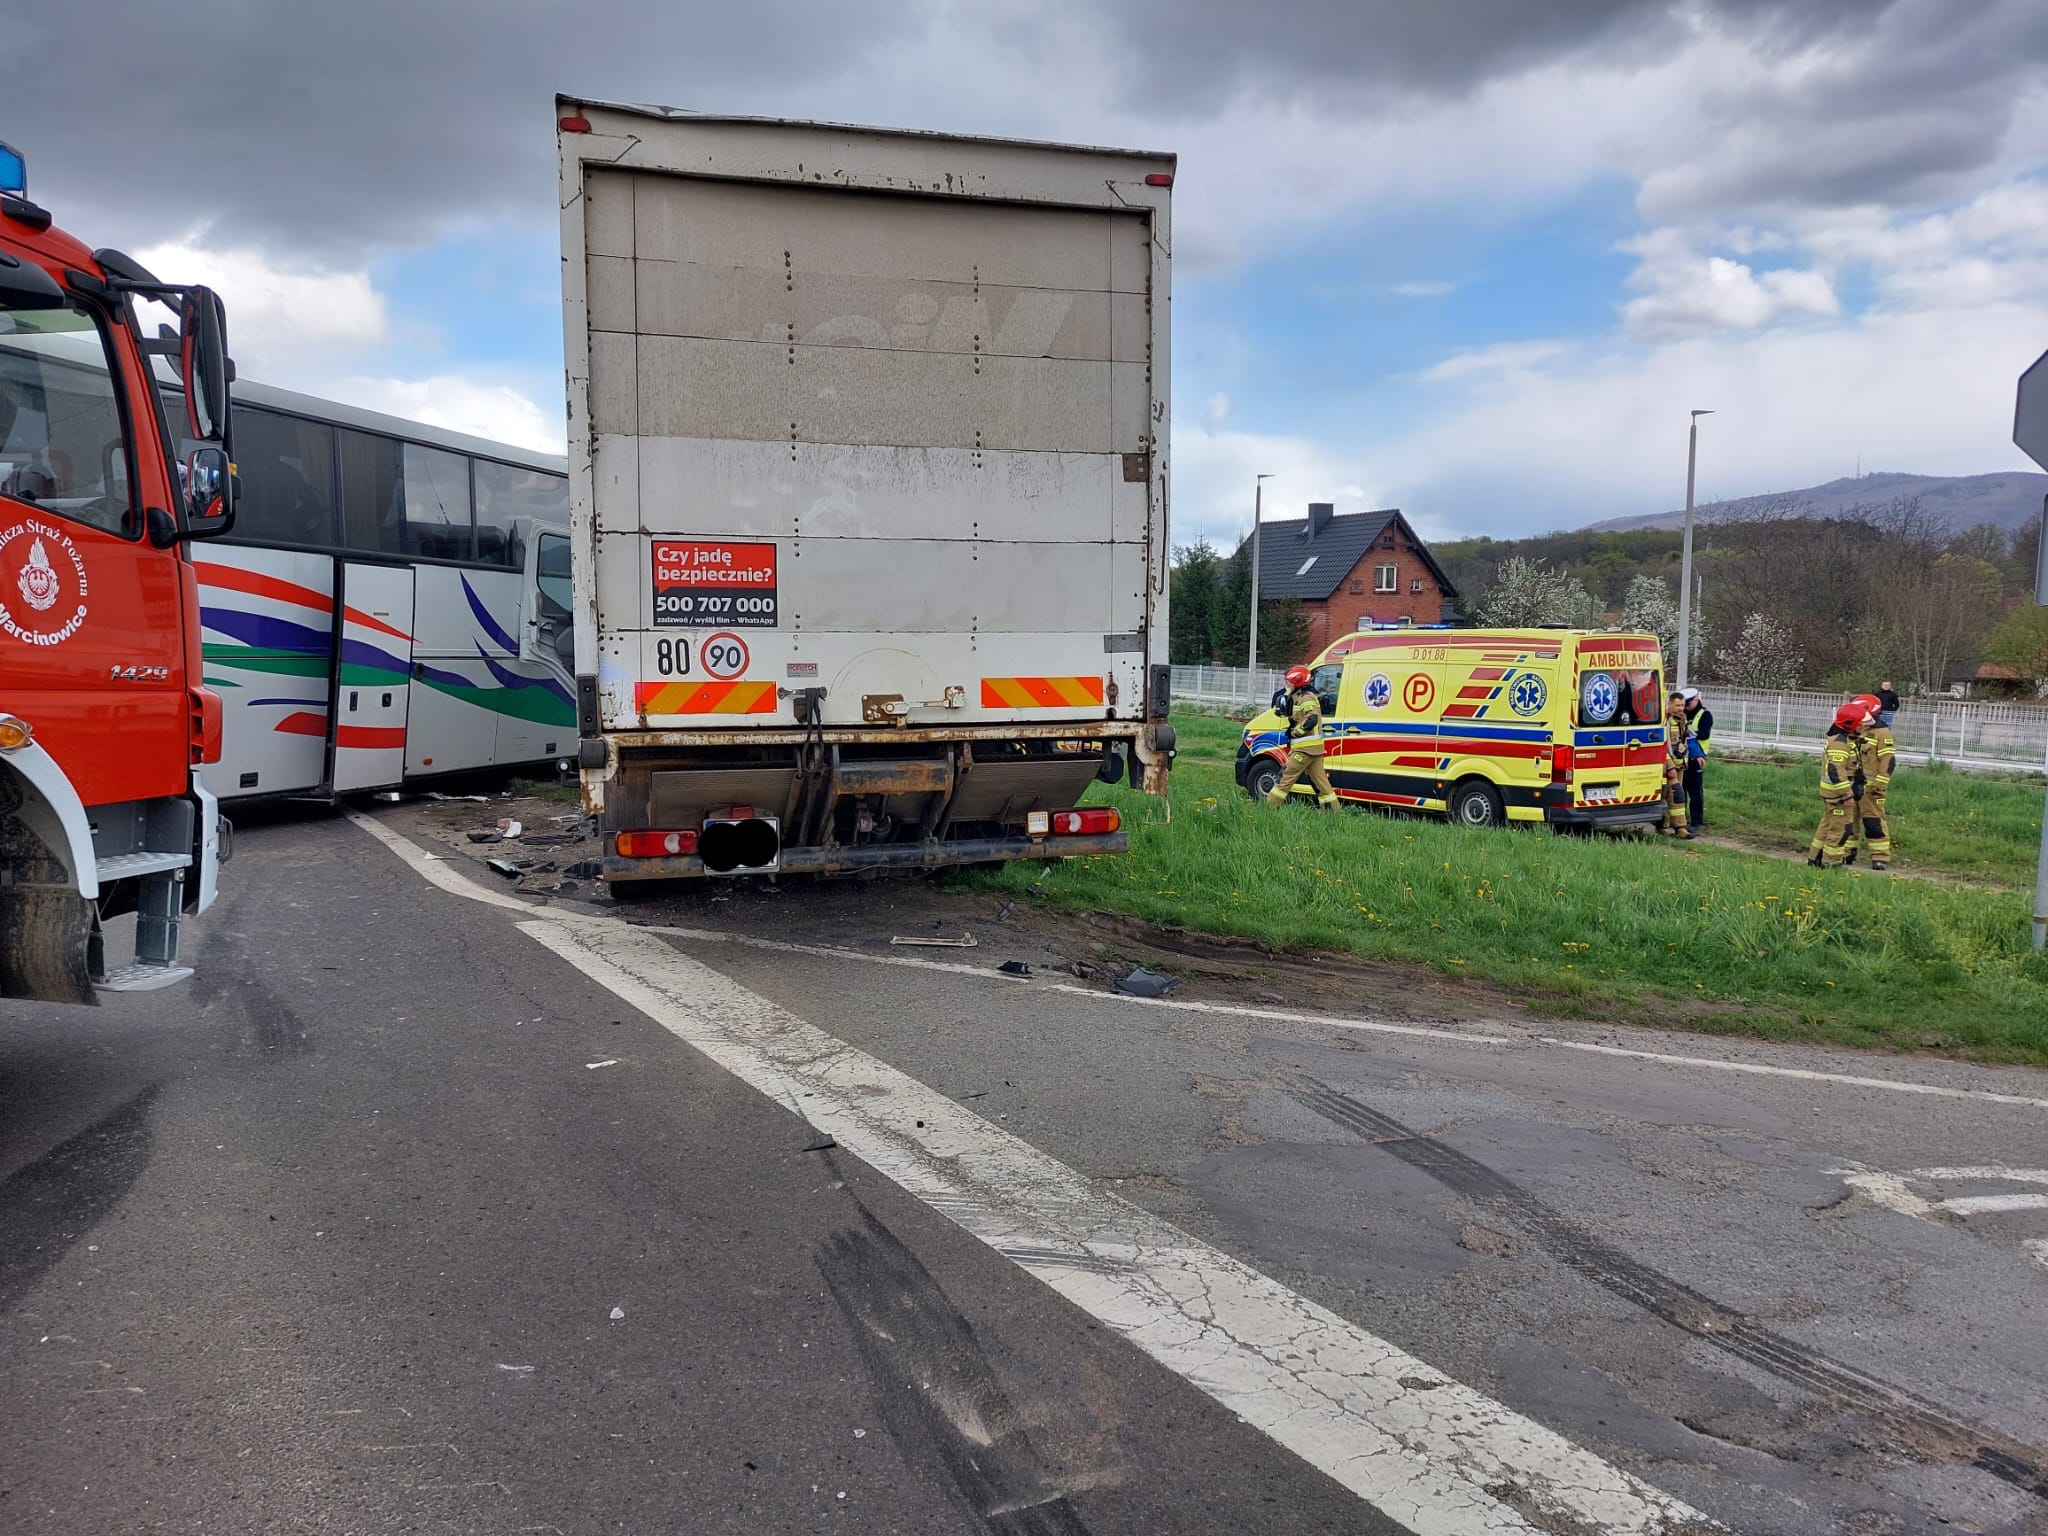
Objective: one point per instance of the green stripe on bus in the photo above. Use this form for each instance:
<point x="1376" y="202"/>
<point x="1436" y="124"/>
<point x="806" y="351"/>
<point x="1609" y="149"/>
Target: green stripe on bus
<point x="532" y="704"/>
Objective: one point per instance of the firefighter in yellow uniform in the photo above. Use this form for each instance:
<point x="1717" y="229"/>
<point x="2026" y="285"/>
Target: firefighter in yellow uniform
<point x="1676" y="730"/>
<point x="1304" y="744"/>
<point x="1841" y="766"/>
<point x="1880" y="751"/>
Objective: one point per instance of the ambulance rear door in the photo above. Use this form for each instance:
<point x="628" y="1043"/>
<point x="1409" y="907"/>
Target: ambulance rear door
<point x="1618" y="724"/>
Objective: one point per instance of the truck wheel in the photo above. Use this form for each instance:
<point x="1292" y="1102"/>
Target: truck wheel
<point x="43" y="936"/>
<point x="1476" y="803"/>
<point x="1260" y="778"/>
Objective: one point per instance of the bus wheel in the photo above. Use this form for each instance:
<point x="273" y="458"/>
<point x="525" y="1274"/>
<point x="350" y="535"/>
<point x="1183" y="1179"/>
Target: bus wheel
<point x="1261" y="777"/>
<point x="1475" y="803"/>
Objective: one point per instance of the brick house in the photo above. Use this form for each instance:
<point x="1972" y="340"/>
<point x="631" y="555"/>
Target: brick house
<point x="1352" y="572"/>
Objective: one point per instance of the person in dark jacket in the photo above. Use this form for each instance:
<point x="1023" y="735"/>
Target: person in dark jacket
<point x="1887" y="703"/>
<point x="1699" y="722"/>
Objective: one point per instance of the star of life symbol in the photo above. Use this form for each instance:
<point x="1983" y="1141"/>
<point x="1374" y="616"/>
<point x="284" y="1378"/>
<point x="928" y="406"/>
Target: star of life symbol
<point x="1527" y="694"/>
<point x="1601" y="697"/>
<point x="1379" y="691"/>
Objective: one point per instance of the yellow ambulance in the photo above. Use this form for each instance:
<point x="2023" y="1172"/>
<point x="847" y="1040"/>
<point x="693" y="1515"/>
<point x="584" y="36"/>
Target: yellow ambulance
<point x="1485" y="726"/>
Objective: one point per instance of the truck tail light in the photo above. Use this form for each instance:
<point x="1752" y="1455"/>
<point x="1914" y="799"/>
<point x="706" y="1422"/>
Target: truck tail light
<point x="1089" y="823"/>
<point x="1560" y="765"/>
<point x="204" y="715"/>
<point x="577" y="123"/>
<point x="651" y="843"/>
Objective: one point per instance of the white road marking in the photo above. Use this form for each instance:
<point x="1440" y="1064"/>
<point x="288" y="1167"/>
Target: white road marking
<point x="449" y="881"/>
<point x="1332" y="1393"/>
<point x="1889" y="1190"/>
<point x="1978" y="1205"/>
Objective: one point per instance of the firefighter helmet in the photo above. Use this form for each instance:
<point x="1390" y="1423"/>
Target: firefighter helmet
<point x="1869" y="701"/>
<point x="1297" y="677"/>
<point x="1851" y="716"/>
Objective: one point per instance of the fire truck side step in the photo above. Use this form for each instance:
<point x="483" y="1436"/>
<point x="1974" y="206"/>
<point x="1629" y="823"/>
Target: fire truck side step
<point x="124" y="866"/>
<point x="143" y="977"/>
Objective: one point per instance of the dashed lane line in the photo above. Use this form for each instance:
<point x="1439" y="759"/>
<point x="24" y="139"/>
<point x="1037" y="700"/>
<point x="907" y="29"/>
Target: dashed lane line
<point x="1432" y="1454"/>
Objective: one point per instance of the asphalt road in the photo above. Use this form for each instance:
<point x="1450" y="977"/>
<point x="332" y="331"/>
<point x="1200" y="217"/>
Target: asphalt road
<point x="421" y="1212"/>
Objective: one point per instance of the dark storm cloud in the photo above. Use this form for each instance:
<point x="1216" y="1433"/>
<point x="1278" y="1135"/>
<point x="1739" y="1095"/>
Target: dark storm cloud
<point x="1900" y="106"/>
<point x="331" y="128"/>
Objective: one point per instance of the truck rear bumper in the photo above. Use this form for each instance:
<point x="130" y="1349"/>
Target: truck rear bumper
<point x="878" y="856"/>
<point x="1608" y="817"/>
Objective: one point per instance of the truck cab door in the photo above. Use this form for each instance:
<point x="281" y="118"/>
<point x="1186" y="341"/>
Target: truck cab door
<point x="373" y="624"/>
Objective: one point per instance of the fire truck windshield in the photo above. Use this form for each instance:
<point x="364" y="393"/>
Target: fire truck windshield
<point x="63" y="448"/>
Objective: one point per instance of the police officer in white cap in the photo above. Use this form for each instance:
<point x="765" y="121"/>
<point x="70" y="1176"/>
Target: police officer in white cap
<point x="1700" y="720"/>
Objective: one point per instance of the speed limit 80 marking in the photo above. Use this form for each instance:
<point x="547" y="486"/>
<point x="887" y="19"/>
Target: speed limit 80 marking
<point x="722" y="656"/>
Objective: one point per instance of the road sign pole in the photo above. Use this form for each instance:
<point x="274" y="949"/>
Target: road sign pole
<point x="2030" y="434"/>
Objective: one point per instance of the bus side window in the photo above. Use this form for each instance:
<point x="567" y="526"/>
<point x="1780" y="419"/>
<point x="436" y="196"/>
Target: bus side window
<point x="504" y="495"/>
<point x="372" y="507"/>
<point x="437" y="520"/>
<point x="286" y="468"/>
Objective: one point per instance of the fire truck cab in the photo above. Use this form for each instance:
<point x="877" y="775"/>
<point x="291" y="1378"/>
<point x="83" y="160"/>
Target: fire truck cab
<point x="105" y="718"/>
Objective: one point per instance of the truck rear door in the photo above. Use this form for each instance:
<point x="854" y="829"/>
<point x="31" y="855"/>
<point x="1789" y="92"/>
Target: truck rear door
<point x="895" y="446"/>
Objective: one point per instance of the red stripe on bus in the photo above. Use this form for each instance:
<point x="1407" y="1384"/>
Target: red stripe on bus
<point x="371" y="736"/>
<point x="257" y="584"/>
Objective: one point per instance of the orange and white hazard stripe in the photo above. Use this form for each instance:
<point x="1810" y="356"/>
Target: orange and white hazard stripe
<point x="704" y="698"/>
<point x="1040" y="692"/>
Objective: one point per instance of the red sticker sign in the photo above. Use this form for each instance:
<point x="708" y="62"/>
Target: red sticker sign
<point x="723" y="656"/>
<point x="1419" y="692"/>
<point x="713" y="581"/>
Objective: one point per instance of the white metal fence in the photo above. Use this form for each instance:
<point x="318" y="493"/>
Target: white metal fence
<point x="1978" y="736"/>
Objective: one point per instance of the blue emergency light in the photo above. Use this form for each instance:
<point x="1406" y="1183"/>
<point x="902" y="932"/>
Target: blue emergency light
<point x="13" y="171"/>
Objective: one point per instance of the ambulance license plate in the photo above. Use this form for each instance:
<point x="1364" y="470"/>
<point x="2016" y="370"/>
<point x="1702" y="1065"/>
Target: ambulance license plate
<point x="1602" y="794"/>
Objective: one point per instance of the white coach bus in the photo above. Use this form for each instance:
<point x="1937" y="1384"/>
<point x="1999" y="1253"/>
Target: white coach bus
<point x="393" y="603"/>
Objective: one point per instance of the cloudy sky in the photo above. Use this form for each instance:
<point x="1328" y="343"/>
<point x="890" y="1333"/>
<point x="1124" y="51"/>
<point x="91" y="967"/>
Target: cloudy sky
<point x="1475" y="258"/>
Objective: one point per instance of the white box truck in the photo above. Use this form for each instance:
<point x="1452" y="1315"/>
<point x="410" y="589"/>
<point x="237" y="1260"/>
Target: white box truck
<point x="868" y="478"/>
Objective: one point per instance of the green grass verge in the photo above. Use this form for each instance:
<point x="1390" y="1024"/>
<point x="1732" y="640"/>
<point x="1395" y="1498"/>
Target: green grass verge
<point x="1614" y="927"/>
<point x="1969" y="825"/>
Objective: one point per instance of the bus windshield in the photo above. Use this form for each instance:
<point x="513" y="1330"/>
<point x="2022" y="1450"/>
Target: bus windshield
<point x="63" y="449"/>
<point x="1621" y="696"/>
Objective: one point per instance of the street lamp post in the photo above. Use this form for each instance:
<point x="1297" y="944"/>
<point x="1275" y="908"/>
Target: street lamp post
<point x="1252" y="657"/>
<point x="1692" y="454"/>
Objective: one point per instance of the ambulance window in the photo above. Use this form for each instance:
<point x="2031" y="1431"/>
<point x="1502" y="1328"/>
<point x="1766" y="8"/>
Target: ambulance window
<point x="1325" y="680"/>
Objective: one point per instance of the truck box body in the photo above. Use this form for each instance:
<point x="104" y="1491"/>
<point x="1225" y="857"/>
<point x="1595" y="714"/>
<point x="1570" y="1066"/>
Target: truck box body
<point x="867" y="444"/>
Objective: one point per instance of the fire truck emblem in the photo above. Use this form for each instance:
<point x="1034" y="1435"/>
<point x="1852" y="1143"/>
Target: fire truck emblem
<point x="48" y="572"/>
<point x="38" y="581"/>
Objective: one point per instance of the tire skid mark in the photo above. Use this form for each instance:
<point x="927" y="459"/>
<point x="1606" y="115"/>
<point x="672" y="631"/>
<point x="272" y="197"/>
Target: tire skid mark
<point x="935" y="1389"/>
<point x="1916" y="1424"/>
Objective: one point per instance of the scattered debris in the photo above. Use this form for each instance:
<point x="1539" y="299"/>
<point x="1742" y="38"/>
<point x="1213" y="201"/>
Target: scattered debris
<point x="820" y="1143"/>
<point x="860" y="1434"/>
<point x="585" y="869"/>
<point x="509" y="827"/>
<point x="517" y="1370"/>
<point x="1003" y="912"/>
<point x="572" y="816"/>
<point x="506" y="868"/>
<point x="1014" y="968"/>
<point x="1144" y="983"/>
<point x="435" y="794"/>
<point x="965" y="941"/>
<point x="486" y="835"/>
<point x="618" y="1314"/>
<point x="549" y="839"/>
<point x="1044" y="877"/>
<point x="974" y="1093"/>
<point x="592" y="1066"/>
<point x="388" y="796"/>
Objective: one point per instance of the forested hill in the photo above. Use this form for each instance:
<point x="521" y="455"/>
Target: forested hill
<point x="2007" y="500"/>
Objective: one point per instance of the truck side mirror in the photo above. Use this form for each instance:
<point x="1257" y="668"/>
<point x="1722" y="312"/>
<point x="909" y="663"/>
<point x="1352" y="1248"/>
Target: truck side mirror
<point x="209" y="493"/>
<point x="203" y="364"/>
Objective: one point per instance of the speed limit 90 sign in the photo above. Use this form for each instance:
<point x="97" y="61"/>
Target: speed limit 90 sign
<point x="723" y="656"/>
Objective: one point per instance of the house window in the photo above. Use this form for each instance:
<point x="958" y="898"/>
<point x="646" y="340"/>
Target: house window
<point x="1311" y="560"/>
<point x="1415" y="585"/>
<point x="1386" y="578"/>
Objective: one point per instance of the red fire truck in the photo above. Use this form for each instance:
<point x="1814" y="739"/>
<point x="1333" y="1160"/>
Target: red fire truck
<point x="104" y="717"/>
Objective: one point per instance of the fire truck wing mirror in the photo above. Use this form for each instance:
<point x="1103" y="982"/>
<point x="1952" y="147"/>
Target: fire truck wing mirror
<point x="203" y="363"/>
<point x="209" y="493"/>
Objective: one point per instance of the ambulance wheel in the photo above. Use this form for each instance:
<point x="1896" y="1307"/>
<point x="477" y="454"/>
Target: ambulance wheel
<point x="1261" y="777"/>
<point x="1476" y="803"/>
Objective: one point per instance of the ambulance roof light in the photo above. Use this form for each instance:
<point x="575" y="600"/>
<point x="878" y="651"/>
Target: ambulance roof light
<point x="13" y="171"/>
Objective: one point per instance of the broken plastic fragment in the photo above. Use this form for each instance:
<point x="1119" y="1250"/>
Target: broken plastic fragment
<point x="1014" y="968"/>
<point x="1144" y="983"/>
<point x="618" y="1314"/>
